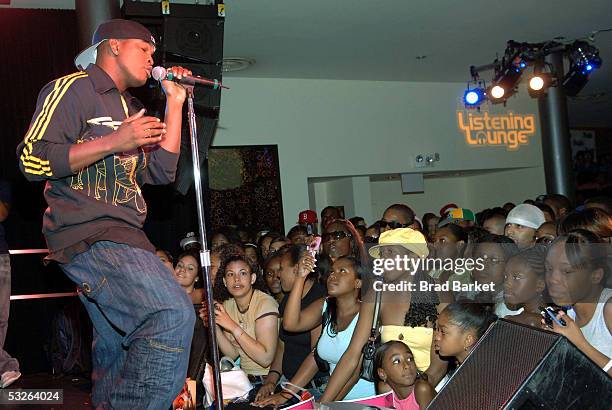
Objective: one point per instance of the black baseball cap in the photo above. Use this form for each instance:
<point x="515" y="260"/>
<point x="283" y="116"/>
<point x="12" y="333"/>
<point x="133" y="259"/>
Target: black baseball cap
<point x="118" y="29"/>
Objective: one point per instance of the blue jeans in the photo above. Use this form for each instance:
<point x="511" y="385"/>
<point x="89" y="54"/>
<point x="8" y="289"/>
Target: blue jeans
<point x="7" y="363"/>
<point x="143" y="324"/>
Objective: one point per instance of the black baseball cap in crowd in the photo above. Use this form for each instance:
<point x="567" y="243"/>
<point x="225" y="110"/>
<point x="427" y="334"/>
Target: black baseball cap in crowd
<point x="118" y="29"/>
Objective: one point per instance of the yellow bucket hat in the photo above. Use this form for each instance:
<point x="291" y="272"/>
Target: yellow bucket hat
<point x="410" y="239"/>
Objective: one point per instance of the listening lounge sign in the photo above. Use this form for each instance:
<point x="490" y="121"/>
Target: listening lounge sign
<point x="507" y="130"/>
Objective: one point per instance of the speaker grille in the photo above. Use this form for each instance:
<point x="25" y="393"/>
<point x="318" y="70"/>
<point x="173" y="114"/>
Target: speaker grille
<point x="504" y="357"/>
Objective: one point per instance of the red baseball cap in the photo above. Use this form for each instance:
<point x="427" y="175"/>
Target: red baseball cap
<point x="307" y="217"/>
<point x="448" y="207"/>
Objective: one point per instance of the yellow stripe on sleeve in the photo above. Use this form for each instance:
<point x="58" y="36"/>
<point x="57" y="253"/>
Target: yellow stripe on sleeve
<point x="33" y="164"/>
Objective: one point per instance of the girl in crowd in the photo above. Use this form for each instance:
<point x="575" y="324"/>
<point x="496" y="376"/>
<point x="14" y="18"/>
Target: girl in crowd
<point x="405" y="316"/>
<point x="223" y="236"/>
<point x="546" y="233"/>
<point x="372" y="234"/>
<point x="337" y="316"/>
<point x="430" y="224"/>
<point x="449" y="243"/>
<point x="459" y="327"/>
<point x="298" y="234"/>
<point x="166" y="258"/>
<point x="276" y="244"/>
<point x="188" y="273"/>
<point x="246" y="316"/>
<point x="494" y="251"/>
<point x="591" y="219"/>
<point x="271" y="273"/>
<point x="524" y="285"/>
<point x="287" y="361"/>
<point x="250" y="251"/>
<point x="264" y="244"/>
<point x="394" y="365"/>
<point x="576" y="269"/>
<point x="341" y="239"/>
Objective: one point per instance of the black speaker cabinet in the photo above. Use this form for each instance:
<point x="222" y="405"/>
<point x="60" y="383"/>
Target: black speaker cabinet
<point x="520" y="367"/>
<point x="190" y="36"/>
<point x="192" y="31"/>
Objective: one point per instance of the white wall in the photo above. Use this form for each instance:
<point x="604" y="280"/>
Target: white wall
<point x="476" y="192"/>
<point x="327" y="128"/>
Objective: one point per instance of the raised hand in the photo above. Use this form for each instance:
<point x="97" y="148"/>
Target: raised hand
<point x="306" y="265"/>
<point x="173" y="90"/>
<point x="223" y="319"/>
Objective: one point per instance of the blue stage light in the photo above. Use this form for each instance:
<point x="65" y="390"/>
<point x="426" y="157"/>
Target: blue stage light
<point x="474" y="97"/>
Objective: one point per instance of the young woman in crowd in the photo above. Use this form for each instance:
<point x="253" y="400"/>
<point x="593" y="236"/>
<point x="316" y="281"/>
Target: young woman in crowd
<point x="264" y="244"/>
<point x="166" y="258"/>
<point x="277" y="243"/>
<point x="224" y="235"/>
<point x="494" y="251"/>
<point x="430" y="224"/>
<point x="549" y="214"/>
<point x="341" y="239"/>
<point x="188" y="274"/>
<point x="394" y="366"/>
<point x="576" y="268"/>
<point x="460" y="325"/>
<point x="405" y="316"/>
<point x="546" y="233"/>
<point x="299" y="344"/>
<point x="298" y="234"/>
<point x="494" y="220"/>
<point x="595" y="220"/>
<point x="372" y="233"/>
<point x="449" y="243"/>
<point x="524" y="285"/>
<point x="337" y="316"/>
<point x="247" y="318"/>
<point x="272" y="277"/>
<point x="250" y="251"/>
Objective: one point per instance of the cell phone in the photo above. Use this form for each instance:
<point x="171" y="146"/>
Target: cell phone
<point x="314" y="246"/>
<point x="550" y="315"/>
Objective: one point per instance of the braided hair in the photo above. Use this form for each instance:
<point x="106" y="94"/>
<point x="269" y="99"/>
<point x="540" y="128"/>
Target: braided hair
<point x="423" y="304"/>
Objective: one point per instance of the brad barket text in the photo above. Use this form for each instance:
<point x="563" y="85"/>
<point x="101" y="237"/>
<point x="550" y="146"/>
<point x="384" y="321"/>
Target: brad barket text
<point x="425" y="286"/>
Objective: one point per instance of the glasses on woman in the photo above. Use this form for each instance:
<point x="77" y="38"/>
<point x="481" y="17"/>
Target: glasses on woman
<point x="391" y="224"/>
<point x="371" y="239"/>
<point x="336" y="236"/>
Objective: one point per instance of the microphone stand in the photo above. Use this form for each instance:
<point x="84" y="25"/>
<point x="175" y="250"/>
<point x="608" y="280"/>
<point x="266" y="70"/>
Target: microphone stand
<point x="204" y="252"/>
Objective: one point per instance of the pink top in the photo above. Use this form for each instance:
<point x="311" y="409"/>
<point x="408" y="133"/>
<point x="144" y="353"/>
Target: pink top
<point x="409" y="403"/>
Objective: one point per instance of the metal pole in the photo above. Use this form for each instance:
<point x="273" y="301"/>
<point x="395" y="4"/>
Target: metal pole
<point x="204" y="253"/>
<point x="556" y="146"/>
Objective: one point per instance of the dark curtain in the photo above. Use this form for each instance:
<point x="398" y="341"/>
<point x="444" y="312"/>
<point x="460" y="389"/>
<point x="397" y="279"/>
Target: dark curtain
<point x="36" y="47"/>
<point x="257" y="202"/>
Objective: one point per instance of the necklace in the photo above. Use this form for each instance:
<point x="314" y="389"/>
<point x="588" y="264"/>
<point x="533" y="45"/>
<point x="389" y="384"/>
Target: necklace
<point x="241" y="318"/>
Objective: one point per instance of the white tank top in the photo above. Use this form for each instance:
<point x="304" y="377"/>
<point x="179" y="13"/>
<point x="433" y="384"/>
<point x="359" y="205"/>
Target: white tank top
<point x="596" y="332"/>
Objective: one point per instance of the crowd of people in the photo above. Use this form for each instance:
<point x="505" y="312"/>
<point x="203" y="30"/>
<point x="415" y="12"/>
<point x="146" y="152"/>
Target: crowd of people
<point x="297" y="320"/>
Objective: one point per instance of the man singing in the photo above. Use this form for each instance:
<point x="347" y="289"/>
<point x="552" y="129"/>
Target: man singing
<point x="95" y="149"/>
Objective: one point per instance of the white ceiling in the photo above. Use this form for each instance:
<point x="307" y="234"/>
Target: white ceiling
<point x="381" y="39"/>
